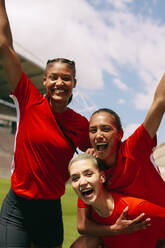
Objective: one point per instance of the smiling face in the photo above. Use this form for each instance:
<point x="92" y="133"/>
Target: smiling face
<point x="59" y="82"/>
<point x="87" y="180"/>
<point x="104" y="136"/>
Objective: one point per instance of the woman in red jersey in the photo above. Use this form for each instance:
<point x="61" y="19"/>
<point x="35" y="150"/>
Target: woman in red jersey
<point x="106" y="206"/>
<point x="47" y="133"/>
<point x="130" y="166"/>
<point x="31" y="212"/>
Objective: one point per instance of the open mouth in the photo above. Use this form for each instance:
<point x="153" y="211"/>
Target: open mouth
<point x="87" y="192"/>
<point x="58" y="91"/>
<point x="101" y="146"/>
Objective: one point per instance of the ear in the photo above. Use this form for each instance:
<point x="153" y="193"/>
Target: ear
<point x="120" y="134"/>
<point x="102" y="177"/>
<point x="74" y="83"/>
<point x="44" y="80"/>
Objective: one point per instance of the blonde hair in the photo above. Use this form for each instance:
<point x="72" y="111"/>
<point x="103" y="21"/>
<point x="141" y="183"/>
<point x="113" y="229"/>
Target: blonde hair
<point x="83" y="156"/>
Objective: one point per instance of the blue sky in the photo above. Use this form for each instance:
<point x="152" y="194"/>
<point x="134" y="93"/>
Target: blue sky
<point x="118" y="46"/>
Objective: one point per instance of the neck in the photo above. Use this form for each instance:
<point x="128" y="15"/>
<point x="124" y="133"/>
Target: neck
<point x="104" y="205"/>
<point x="112" y="160"/>
<point x="58" y="107"/>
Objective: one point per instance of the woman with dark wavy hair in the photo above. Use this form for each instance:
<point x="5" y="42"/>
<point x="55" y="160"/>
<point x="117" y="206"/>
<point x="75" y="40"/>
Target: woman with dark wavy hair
<point x="47" y="134"/>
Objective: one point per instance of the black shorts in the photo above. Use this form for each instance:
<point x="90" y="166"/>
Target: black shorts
<point x="23" y="221"/>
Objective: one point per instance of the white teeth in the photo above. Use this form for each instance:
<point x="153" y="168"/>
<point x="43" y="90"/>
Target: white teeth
<point x="87" y="192"/>
<point x="60" y="90"/>
<point x="57" y="91"/>
<point x="101" y="146"/>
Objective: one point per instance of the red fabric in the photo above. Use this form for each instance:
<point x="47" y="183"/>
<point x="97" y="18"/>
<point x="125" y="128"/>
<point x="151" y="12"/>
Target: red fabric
<point x="42" y="153"/>
<point x="142" y="239"/>
<point x="135" y="172"/>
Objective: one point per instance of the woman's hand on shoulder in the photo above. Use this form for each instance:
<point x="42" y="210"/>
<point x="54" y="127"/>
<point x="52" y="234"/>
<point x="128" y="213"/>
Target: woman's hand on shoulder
<point x="123" y="225"/>
<point x="91" y="151"/>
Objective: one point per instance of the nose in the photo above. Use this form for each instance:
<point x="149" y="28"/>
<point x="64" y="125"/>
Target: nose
<point x="59" y="81"/>
<point x="83" y="181"/>
<point x="99" y="135"/>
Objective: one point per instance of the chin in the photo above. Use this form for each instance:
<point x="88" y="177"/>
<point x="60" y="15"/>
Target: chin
<point x="102" y="156"/>
<point x="89" y="201"/>
<point x="58" y="99"/>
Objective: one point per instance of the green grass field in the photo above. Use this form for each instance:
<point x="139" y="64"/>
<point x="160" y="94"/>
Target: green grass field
<point x="69" y="203"/>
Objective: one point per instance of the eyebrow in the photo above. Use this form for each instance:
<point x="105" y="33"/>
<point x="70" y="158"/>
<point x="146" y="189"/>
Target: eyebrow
<point x="87" y="170"/>
<point x="79" y="172"/>
<point x="66" y="73"/>
<point x="75" y="174"/>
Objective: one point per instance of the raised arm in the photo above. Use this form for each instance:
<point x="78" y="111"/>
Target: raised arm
<point x="157" y="109"/>
<point x="10" y="60"/>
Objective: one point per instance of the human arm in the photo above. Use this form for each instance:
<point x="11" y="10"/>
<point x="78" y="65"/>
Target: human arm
<point x="10" y="60"/>
<point x="88" y="227"/>
<point x="157" y="109"/>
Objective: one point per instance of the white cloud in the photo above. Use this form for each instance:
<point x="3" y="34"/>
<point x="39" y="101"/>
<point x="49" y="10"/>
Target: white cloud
<point x="129" y="129"/>
<point x="97" y="40"/>
<point x="121" y="101"/>
<point x="138" y="43"/>
<point x="119" y="4"/>
<point x="120" y="84"/>
<point x="69" y="29"/>
<point x="144" y="99"/>
<point x="155" y="1"/>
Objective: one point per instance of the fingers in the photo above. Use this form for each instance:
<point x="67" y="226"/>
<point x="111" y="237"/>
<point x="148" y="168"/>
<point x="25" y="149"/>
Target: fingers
<point x="142" y="224"/>
<point x="124" y="225"/>
<point x="139" y="223"/>
<point x="125" y="211"/>
<point x="123" y="214"/>
<point x="146" y="223"/>
<point x="91" y="151"/>
<point x="139" y="218"/>
<point x="130" y="226"/>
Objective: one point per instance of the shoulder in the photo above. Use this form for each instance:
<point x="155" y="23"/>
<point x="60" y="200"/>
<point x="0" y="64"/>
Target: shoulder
<point x="126" y="200"/>
<point x="133" y="203"/>
<point x="26" y="92"/>
<point x="139" y="132"/>
<point x="139" y="141"/>
<point x="23" y="83"/>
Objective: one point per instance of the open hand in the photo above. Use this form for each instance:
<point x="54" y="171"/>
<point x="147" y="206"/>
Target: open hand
<point x="123" y="225"/>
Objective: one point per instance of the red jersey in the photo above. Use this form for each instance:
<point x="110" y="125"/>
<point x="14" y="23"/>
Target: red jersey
<point x="136" y="173"/>
<point x="142" y="239"/>
<point x="42" y="152"/>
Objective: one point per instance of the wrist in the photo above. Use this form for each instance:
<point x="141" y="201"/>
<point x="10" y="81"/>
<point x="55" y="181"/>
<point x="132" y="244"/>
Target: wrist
<point x="114" y="230"/>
